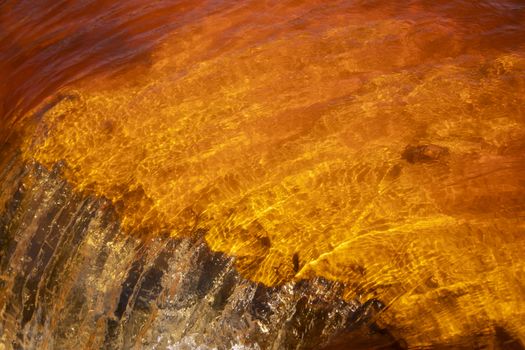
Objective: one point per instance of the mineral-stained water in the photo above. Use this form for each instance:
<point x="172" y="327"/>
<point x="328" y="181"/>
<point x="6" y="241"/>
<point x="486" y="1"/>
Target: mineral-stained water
<point x="262" y="174"/>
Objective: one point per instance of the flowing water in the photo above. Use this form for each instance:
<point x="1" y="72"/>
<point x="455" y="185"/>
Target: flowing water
<point x="377" y="145"/>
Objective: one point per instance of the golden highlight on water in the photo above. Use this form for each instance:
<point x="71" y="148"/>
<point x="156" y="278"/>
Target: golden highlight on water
<point x="377" y="145"/>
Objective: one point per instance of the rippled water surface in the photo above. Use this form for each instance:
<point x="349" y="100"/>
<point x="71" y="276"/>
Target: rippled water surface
<point x="380" y="144"/>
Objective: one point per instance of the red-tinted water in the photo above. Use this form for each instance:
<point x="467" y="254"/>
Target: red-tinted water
<point x="376" y="143"/>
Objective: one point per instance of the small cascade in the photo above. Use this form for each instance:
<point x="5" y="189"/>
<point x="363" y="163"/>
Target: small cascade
<point x="70" y="279"/>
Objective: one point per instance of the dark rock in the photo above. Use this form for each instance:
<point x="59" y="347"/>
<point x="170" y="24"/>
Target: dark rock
<point x="424" y="153"/>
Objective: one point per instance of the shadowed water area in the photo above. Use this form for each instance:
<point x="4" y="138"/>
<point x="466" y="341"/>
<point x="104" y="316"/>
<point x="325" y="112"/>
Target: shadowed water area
<point x="266" y="175"/>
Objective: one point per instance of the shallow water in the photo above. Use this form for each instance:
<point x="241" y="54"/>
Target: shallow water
<point x="373" y="143"/>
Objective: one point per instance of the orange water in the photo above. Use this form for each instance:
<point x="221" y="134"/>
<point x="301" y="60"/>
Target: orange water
<point x="280" y="129"/>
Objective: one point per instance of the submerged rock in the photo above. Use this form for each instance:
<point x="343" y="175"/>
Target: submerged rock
<point x="424" y="153"/>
